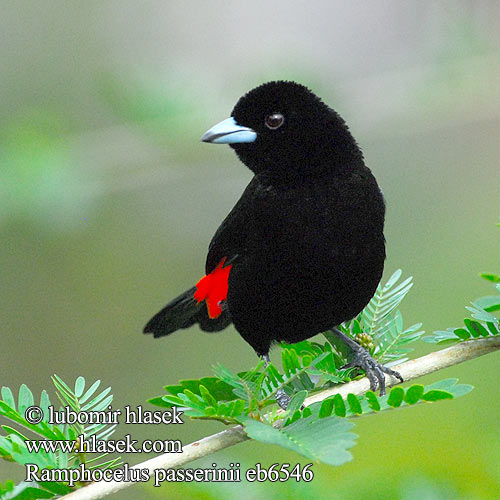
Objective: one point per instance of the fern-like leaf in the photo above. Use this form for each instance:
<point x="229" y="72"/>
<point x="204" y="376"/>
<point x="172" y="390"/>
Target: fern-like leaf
<point x="386" y="299"/>
<point x="326" y="440"/>
<point x="391" y="339"/>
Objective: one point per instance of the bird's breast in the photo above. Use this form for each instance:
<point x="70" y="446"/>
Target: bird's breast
<point x="315" y="236"/>
<point x="310" y="254"/>
<point x="315" y="221"/>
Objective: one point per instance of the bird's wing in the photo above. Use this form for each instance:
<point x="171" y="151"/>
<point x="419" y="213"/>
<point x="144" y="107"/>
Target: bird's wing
<point x="230" y="239"/>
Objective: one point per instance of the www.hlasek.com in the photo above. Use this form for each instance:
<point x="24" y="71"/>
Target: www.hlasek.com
<point x="94" y="445"/>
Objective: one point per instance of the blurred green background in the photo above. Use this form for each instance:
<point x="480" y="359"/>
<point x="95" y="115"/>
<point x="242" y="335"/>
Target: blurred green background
<point x="108" y="201"/>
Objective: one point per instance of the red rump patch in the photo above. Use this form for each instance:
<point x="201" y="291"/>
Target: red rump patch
<point x="213" y="289"/>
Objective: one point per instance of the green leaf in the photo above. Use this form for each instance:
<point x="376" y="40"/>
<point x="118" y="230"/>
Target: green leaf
<point x="290" y="361"/>
<point x="451" y="386"/>
<point x="326" y="408"/>
<point x="210" y="411"/>
<point x="65" y="394"/>
<point x="161" y="401"/>
<point x="296" y="415"/>
<point x="490" y="303"/>
<point x="325" y="440"/>
<point x="493" y="328"/>
<point x="8" y="486"/>
<point x="414" y="394"/>
<point x="370" y="402"/>
<point x="385" y="300"/>
<point x="89" y="392"/>
<point x="57" y="488"/>
<point x="220" y="390"/>
<point x="436" y="395"/>
<point x="383" y="322"/>
<point x="306" y="360"/>
<point x="11" y="430"/>
<point x="296" y="402"/>
<point x="170" y="401"/>
<point x="237" y="407"/>
<point x="372" y="399"/>
<point x="306" y="412"/>
<point x="8" y="397"/>
<point x="396" y="397"/>
<point x="339" y="346"/>
<point x="43" y="429"/>
<point x="13" y="447"/>
<point x="475" y="328"/>
<point x="205" y="394"/>
<point x="354" y="404"/>
<point x="79" y="386"/>
<point x="495" y="278"/>
<point x="461" y="333"/>
<point x="340" y="409"/>
<point x="102" y="405"/>
<point x="327" y="368"/>
<point x="242" y="388"/>
<point x="61" y="385"/>
<point x="480" y="314"/>
<point x="193" y="398"/>
<point x="391" y="337"/>
<point x="26" y="399"/>
<point x="96" y="401"/>
<point x="44" y="402"/>
<point x="470" y="325"/>
<point x="28" y="491"/>
<point x="295" y="375"/>
<point x="441" y="337"/>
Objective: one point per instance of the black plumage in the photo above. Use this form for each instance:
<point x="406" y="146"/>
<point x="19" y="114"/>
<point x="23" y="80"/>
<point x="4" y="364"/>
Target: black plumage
<point x="305" y="241"/>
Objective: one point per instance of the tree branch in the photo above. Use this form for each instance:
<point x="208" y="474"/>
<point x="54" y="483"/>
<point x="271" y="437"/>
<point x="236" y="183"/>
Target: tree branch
<point x="206" y="446"/>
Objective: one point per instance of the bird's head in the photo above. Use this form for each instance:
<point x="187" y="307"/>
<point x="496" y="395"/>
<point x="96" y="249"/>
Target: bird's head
<point x="284" y="130"/>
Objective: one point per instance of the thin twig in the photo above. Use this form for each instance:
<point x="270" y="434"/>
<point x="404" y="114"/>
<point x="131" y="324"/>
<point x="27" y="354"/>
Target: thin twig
<point x="206" y="446"/>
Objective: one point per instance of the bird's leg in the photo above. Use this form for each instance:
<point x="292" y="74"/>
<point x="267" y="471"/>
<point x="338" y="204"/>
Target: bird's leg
<point x="282" y="398"/>
<point x="361" y="358"/>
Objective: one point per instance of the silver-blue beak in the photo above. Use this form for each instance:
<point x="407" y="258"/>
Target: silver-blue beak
<point x="229" y="132"/>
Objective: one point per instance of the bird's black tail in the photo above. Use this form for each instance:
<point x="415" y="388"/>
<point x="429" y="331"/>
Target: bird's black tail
<point x="183" y="312"/>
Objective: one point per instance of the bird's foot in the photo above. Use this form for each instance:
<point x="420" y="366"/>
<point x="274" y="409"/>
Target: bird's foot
<point x="374" y="370"/>
<point x="283" y="399"/>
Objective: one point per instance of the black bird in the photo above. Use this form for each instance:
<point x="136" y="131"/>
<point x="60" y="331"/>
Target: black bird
<point x="303" y="249"/>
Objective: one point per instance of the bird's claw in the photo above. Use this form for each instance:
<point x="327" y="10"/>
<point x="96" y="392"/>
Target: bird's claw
<point x="283" y="399"/>
<point x="374" y="370"/>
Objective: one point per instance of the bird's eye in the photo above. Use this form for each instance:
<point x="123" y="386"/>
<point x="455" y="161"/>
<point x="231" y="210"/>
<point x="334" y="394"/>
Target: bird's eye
<point x="274" y="121"/>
